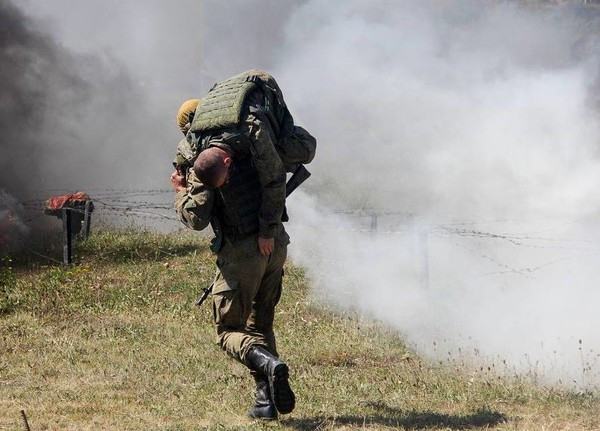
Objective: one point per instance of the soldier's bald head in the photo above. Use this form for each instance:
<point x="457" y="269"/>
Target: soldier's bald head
<point x="212" y="165"/>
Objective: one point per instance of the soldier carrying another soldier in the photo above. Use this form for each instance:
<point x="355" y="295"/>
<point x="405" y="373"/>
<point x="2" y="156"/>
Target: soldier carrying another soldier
<point x="231" y="173"/>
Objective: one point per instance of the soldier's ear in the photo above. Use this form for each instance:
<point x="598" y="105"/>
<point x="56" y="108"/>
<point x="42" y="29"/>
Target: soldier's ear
<point x="227" y="161"/>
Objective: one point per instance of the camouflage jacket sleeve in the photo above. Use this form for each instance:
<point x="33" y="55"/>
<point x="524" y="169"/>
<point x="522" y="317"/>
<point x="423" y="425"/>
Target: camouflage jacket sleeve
<point x="271" y="171"/>
<point x="195" y="204"/>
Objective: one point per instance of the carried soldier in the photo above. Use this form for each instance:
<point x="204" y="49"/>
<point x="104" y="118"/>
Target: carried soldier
<point x="240" y="140"/>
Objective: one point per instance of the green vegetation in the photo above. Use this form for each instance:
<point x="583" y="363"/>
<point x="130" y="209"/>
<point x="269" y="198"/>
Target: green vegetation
<point x="115" y="343"/>
<point x="7" y="284"/>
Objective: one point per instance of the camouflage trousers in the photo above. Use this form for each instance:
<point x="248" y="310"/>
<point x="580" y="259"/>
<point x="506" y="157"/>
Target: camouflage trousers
<point x="245" y="293"/>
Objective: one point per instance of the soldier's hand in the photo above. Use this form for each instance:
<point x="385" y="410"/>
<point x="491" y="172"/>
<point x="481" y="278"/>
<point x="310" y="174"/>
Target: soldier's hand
<point x="178" y="181"/>
<point x="266" y="245"/>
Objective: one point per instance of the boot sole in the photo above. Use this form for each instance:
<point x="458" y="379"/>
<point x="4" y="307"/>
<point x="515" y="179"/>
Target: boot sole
<point x="283" y="396"/>
<point x="263" y="413"/>
<point x="261" y="418"/>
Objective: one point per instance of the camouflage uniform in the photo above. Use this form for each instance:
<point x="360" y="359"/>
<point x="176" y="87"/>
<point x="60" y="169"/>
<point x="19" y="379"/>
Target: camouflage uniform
<point x="247" y="116"/>
<point x="248" y="284"/>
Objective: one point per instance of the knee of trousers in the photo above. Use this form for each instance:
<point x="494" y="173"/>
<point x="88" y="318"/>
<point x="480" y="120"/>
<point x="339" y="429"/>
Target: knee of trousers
<point x="237" y="341"/>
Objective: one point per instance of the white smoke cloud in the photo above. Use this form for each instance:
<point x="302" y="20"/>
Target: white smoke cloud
<point x="476" y="117"/>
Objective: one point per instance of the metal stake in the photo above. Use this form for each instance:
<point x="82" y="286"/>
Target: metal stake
<point x="85" y="229"/>
<point x="373" y="222"/>
<point x="67" y="238"/>
<point x="25" y="423"/>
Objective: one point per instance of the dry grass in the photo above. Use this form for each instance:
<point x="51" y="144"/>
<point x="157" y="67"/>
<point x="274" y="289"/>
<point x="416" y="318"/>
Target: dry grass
<point x="115" y="343"/>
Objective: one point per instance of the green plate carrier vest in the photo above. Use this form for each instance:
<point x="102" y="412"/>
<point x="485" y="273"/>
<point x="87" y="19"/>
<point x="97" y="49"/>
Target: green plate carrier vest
<point x="222" y="106"/>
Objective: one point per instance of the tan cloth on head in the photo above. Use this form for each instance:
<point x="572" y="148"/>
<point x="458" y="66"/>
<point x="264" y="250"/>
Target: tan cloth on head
<point x="183" y="115"/>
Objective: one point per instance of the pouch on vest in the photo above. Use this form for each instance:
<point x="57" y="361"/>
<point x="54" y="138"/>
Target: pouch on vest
<point x="295" y="149"/>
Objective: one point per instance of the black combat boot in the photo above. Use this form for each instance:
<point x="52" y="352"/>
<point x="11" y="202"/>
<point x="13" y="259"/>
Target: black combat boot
<point x="263" y="407"/>
<point x="277" y="372"/>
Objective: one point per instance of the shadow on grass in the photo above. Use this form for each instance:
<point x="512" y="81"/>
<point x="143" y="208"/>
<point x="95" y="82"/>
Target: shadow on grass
<point x="391" y="417"/>
<point x="128" y="254"/>
<point x="104" y="248"/>
<point x="112" y="253"/>
<point x="136" y="246"/>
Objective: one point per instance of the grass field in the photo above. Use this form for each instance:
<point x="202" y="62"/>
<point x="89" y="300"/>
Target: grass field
<point x="115" y="343"/>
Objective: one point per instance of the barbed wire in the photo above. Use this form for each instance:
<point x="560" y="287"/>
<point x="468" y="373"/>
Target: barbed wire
<point x="156" y="204"/>
<point x="518" y="240"/>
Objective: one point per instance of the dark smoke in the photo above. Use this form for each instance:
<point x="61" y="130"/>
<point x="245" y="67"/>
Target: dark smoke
<point x="67" y="122"/>
<point x="51" y="103"/>
<point x="35" y="79"/>
<point x="12" y="228"/>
